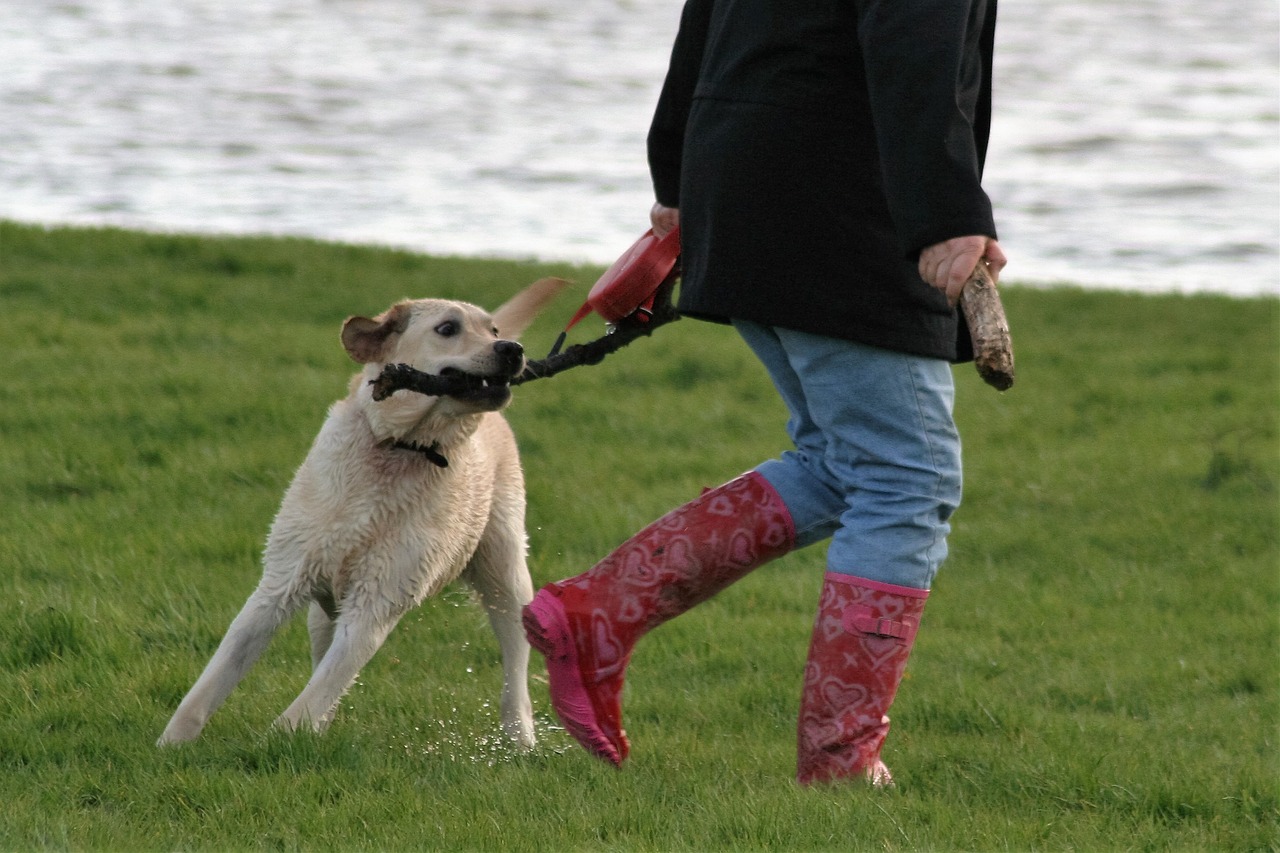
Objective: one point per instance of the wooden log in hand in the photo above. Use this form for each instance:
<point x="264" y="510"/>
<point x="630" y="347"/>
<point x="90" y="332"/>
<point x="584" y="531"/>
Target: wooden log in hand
<point x="992" y="344"/>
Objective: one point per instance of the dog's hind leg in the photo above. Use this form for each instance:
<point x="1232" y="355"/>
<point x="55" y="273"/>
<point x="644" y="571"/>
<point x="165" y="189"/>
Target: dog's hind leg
<point x="354" y="639"/>
<point x="244" y="642"/>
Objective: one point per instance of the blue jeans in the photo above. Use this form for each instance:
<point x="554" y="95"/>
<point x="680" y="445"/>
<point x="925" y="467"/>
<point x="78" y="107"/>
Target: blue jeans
<point x="876" y="464"/>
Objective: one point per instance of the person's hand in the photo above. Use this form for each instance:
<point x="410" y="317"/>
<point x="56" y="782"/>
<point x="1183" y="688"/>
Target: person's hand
<point x="663" y="219"/>
<point x="948" y="265"/>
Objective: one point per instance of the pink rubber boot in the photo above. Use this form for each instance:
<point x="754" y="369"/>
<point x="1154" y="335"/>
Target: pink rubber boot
<point x="861" y="641"/>
<point x="587" y="626"/>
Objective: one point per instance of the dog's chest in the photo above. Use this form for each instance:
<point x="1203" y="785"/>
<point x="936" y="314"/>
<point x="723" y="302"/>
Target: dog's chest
<point x="382" y="524"/>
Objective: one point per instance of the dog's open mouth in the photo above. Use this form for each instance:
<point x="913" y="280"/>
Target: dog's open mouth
<point x="473" y="387"/>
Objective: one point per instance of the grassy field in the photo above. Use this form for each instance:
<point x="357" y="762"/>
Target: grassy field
<point x="1098" y="669"/>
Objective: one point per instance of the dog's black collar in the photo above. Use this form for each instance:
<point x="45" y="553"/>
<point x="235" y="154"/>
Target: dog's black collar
<point x="432" y="451"/>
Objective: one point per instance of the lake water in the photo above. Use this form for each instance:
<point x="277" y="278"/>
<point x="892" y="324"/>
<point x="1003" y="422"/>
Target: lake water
<point x="1137" y="142"/>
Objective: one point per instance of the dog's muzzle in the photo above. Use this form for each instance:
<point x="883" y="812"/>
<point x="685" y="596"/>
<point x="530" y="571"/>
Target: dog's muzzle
<point x="491" y="389"/>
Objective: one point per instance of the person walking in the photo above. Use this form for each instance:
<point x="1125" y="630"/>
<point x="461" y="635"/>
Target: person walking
<point x="823" y="162"/>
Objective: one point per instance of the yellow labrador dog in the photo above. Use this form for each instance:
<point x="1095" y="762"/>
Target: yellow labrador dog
<point x="395" y="500"/>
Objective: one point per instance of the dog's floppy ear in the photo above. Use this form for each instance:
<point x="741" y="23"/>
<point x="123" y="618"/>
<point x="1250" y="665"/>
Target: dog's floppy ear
<point x="518" y="312"/>
<point x="366" y="339"/>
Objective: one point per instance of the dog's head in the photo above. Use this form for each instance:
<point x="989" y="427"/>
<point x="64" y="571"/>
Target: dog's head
<point x="453" y="338"/>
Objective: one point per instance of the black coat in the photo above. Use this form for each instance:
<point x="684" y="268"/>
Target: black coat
<point x="814" y="148"/>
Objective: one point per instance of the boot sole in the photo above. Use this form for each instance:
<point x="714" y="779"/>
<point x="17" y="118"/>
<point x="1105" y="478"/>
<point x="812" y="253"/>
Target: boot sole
<point x="547" y="628"/>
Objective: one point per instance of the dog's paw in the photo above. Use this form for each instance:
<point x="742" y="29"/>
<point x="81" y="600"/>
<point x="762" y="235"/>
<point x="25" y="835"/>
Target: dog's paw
<point x="175" y="734"/>
<point x="521" y="735"/>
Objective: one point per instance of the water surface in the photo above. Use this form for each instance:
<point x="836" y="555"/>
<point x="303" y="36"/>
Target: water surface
<point x="1137" y="143"/>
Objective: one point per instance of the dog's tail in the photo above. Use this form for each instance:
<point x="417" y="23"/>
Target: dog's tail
<point x="519" y="311"/>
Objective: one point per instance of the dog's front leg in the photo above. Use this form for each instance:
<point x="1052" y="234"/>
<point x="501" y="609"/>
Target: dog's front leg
<point x="500" y="577"/>
<point x="355" y="639"/>
<point x="517" y="709"/>
<point x="244" y="642"/>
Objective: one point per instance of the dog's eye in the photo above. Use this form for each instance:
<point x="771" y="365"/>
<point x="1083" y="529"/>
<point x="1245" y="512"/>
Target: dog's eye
<point x="447" y="329"/>
<point x="495" y="332"/>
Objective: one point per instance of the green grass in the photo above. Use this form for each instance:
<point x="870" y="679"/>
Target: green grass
<point x="1098" y="669"/>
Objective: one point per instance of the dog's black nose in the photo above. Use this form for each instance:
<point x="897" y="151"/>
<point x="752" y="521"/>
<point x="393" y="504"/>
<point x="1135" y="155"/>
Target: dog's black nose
<point x="510" y="353"/>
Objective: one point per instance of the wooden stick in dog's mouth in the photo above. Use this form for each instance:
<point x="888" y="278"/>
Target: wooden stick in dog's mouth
<point x="450" y="382"/>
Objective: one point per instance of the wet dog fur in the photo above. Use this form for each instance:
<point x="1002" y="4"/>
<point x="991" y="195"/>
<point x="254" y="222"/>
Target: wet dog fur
<point x="395" y="500"/>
